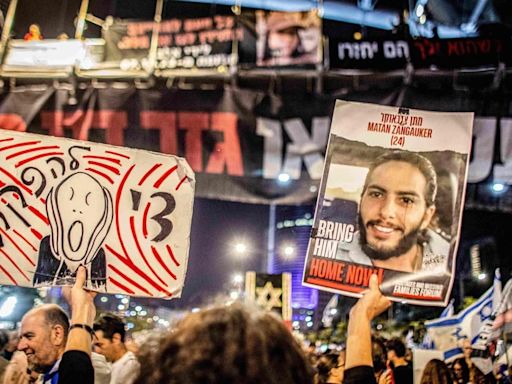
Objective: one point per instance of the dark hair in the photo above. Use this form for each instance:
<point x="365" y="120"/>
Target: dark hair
<point x="4" y="339"/>
<point x="436" y="372"/>
<point x="228" y="345"/>
<point x="423" y="164"/>
<point x="379" y="357"/>
<point x="397" y="346"/>
<point x="325" y="363"/>
<point x="55" y="315"/>
<point x="464" y="370"/>
<point x="110" y="324"/>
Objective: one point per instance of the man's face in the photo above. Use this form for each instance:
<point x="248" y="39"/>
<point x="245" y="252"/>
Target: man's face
<point x="39" y="341"/>
<point x="104" y="346"/>
<point x="393" y="210"/>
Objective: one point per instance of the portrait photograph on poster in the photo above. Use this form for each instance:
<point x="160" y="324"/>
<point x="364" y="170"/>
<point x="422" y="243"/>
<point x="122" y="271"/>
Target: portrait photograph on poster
<point x="390" y="202"/>
<point x="124" y="214"/>
<point x="288" y="38"/>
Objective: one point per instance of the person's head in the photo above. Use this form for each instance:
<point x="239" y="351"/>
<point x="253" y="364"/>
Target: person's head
<point x="43" y="336"/>
<point x="460" y="371"/>
<point x="436" y="372"/>
<point x="331" y="368"/>
<point x="4" y="339"/>
<point x="110" y="336"/>
<point x="228" y="344"/>
<point x="324" y="365"/>
<point x="34" y="29"/>
<point x="395" y="349"/>
<point x="337" y="373"/>
<point x="379" y="356"/>
<point x="397" y="204"/>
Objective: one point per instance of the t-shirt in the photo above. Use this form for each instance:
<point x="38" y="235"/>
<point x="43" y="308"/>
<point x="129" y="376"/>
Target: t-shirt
<point x="403" y="374"/>
<point x="125" y="370"/>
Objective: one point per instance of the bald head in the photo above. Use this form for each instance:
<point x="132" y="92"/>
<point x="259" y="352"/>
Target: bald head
<point x="43" y="336"/>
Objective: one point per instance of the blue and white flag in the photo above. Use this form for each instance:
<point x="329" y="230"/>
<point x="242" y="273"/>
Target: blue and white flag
<point x="448" y="333"/>
<point x="427" y="342"/>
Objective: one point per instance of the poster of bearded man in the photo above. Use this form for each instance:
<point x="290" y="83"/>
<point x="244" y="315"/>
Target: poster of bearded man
<point x="123" y="213"/>
<point x="390" y="202"/>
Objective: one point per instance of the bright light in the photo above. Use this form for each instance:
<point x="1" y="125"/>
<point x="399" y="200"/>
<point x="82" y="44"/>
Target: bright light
<point x="104" y="299"/>
<point x="234" y="295"/>
<point x="423" y="19"/>
<point x="283" y="177"/>
<point x="420" y="10"/>
<point x="333" y="311"/>
<point x="240" y="248"/>
<point x="8" y="305"/>
<point x="121" y="307"/>
<point x="498" y="187"/>
<point x="289" y="250"/>
<point x="238" y="278"/>
<point x="125" y="300"/>
<point x="138" y="308"/>
<point x="194" y="310"/>
<point x="309" y="324"/>
<point x="143" y="313"/>
<point x="379" y="326"/>
<point x="358" y="35"/>
<point x="482" y="276"/>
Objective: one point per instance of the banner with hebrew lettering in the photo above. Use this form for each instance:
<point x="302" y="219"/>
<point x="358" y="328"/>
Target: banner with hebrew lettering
<point x="183" y="43"/>
<point x="390" y="202"/>
<point x="124" y="214"/>
<point x="239" y="141"/>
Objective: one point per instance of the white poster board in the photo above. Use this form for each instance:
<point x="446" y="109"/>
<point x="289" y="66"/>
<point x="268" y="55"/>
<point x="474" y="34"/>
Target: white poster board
<point x="123" y="213"/>
<point x="390" y="202"/>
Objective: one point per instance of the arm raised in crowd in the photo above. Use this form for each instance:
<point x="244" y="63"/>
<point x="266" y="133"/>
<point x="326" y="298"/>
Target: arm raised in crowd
<point x="76" y="366"/>
<point x="359" y="343"/>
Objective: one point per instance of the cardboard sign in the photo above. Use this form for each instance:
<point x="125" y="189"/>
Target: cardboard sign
<point x="390" y="202"/>
<point x="124" y="214"/>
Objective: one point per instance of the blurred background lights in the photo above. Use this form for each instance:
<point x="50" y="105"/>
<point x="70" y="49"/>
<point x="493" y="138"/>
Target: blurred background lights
<point x="7" y="307"/>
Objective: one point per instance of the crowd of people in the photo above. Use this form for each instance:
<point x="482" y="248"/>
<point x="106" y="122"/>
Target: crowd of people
<point x="224" y="344"/>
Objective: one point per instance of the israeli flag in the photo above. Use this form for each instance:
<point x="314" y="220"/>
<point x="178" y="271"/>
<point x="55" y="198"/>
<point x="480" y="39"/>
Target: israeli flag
<point x="447" y="333"/>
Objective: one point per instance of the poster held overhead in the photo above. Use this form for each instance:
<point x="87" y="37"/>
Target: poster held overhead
<point x="390" y="202"/>
<point x="124" y="214"/>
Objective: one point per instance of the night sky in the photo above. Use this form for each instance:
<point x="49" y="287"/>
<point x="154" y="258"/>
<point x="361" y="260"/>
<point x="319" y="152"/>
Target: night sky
<point x="216" y="227"/>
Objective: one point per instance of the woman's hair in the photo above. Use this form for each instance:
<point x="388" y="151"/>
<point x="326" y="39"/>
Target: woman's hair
<point x="436" y="372"/>
<point x="228" y="345"/>
<point x="463" y="375"/>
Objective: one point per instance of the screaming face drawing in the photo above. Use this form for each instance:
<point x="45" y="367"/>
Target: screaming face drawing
<point x="80" y="213"/>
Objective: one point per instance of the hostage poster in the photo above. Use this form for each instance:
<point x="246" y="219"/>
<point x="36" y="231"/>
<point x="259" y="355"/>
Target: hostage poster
<point x="390" y="202"/>
<point x="124" y="214"/>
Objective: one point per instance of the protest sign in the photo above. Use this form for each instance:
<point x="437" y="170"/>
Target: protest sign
<point x="390" y="202"/>
<point x="124" y="214"/>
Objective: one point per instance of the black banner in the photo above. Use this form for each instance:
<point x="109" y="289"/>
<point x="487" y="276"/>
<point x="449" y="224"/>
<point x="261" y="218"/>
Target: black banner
<point x="245" y="145"/>
<point x="364" y="54"/>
